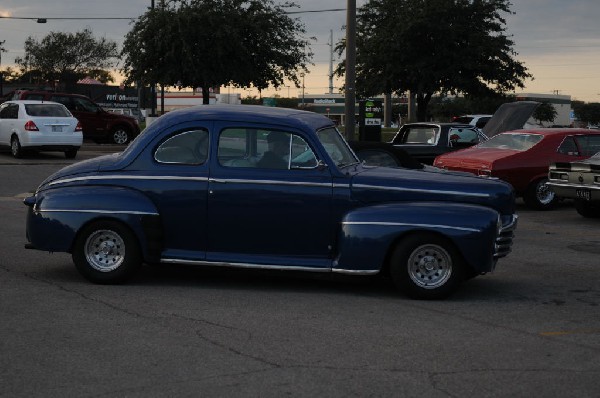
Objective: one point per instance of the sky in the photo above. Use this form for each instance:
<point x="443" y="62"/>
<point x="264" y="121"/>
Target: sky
<point x="557" y="40"/>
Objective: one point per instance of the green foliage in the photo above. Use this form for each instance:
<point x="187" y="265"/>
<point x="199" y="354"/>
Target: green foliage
<point x="587" y="113"/>
<point x="545" y="112"/>
<point x="67" y="56"/>
<point x="435" y="46"/>
<point x="209" y="43"/>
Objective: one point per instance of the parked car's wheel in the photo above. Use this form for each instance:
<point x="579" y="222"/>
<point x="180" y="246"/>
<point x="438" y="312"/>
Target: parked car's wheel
<point x="106" y="252"/>
<point x="539" y="195"/>
<point x="587" y="209"/>
<point x="71" y="153"/>
<point x="15" y="147"/>
<point x="119" y="135"/>
<point x="426" y="266"/>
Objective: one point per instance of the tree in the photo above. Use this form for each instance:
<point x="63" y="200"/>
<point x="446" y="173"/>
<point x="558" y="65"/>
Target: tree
<point x="210" y="43"/>
<point x="67" y="57"/>
<point x="545" y="112"/>
<point x="435" y="46"/>
<point x="588" y="113"/>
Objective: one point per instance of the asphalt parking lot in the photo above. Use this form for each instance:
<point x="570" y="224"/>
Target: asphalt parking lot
<point x="531" y="328"/>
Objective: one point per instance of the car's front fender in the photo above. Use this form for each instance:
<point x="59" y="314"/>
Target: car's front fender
<point x="368" y="234"/>
<point x="56" y="215"/>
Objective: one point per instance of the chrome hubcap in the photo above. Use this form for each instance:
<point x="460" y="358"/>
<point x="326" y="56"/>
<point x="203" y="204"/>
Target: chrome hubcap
<point x="105" y="250"/>
<point x="429" y="266"/>
<point x="545" y="195"/>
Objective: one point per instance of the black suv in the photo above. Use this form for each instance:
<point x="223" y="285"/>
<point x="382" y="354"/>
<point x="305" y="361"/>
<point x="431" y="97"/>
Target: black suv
<point x="98" y="125"/>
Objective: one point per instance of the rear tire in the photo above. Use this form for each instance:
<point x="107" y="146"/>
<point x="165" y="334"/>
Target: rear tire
<point x="587" y="209"/>
<point x="106" y="252"/>
<point x="15" y="147"/>
<point x="120" y="136"/>
<point x="427" y="266"/>
<point x="70" y="153"/>
<point x="539" y="196"/>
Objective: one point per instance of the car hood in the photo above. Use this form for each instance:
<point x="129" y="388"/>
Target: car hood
<point x="510" y="116"/>
<point x="382" y="184"/>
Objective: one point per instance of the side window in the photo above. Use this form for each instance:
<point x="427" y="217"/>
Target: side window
<point x="568" y="147"/>
<point x="4" y="111"/>
<point x="61" y="99"/>
<point x="463" y="136"/>
<point x="35" y="97"/>
<point x="269" y="149"/>
<point x="9" y="111"/>
<point x="189" y="148"/>
<point x="82" y="104"/>
<point x="589" y="144"/>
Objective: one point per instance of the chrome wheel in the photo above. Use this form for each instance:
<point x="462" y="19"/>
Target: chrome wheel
<point x="104" y="250"/>
<point x="120" y="136"/>
<point x="543" y="193"/>
<point x="429" y="266"/>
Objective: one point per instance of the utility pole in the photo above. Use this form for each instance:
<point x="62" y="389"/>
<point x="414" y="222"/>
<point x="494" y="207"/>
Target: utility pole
<point x="152" y="89"/>
<point x="350" y="97"/>
<point x="331" y="62"/>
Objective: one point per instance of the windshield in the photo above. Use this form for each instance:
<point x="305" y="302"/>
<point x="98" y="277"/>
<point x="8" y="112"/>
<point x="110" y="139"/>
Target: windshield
<point x="336" y="147"/>
<point x="514" y="141"/>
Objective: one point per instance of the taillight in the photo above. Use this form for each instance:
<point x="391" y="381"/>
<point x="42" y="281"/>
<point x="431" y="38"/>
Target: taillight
<point x="30" y="126"/>
<point x="78" y="127"/>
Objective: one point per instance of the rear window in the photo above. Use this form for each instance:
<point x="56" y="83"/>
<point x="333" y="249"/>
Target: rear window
<point x="46" y="110"/>
<point x="421" y="135"/>
<point x="517" y="142"/>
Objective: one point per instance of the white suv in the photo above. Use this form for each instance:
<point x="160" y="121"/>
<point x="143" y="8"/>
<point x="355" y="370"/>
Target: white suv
<point x="39" y="125"/>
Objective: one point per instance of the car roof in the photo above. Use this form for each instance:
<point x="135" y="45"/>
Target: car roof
<point x="27" y="102"/>
<point x="250" y="113"/>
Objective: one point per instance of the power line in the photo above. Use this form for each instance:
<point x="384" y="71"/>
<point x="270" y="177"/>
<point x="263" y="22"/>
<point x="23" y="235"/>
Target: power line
<point x="44" y="19"/>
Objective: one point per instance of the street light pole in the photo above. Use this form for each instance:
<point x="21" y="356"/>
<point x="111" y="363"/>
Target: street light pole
<point x="152" y="87"/>
<point x="350" y="96"/>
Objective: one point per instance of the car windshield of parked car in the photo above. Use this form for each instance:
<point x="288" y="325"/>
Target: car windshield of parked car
<point x="82" y="104"/>
<point x="421" y="135"/>
<point x="336" y="147"/>
<point x="46" y="110"/>
<point x="514" y="141"/>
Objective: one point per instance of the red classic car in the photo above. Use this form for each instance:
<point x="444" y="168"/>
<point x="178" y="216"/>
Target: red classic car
<point x="522" y="158"/>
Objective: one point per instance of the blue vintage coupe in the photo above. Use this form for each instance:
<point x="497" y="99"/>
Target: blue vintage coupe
<point x="269" y="188"/>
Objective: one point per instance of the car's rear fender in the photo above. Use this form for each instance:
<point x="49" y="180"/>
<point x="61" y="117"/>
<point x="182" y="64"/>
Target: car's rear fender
<point x="368" y="234"/>
<point x="71" y="208"/>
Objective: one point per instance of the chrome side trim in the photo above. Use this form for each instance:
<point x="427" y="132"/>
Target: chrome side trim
<point x="243" y="265"/>
<point x="268" y="266"/>
<point x="401" y="224"/>
<point x="435" y="191"/>
<point x="96" y="211"/>
<point x="570" y="185"/>
<point x="182" y="178"/>
<point x="269" y="182"/>
<point x="126" y="177"/>
<point x="355" y="271"/>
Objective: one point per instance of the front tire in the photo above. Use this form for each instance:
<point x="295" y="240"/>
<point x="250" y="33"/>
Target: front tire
<point x="106" y="252"/>
<point x="539" y="196"/>
<point x="426" y="266"/>
<point x="587" y="209"/>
